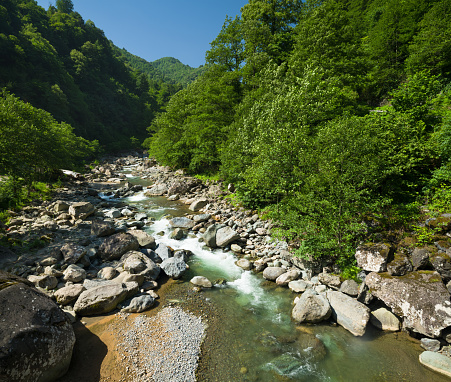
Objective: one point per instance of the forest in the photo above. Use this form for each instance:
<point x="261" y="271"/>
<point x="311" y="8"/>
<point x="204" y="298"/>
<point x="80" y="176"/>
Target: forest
<point x="330" y="117"/>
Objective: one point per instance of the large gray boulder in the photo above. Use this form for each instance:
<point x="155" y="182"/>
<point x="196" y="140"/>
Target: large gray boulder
<point x="144" y="239"/>
<point x="104" y="298"/>
<point x="81" y="210"/>
<point x="74" y="273"/>
<point x="420" y="297"/>
<point x="285" y="278"/>
<point x="182" y="222"/>
<point x="225" y="236"/>
<point x="138" y="304"/>
<point x="385" y="320"/>
<point x="113" y="247"/>
<point x="163" y="251"/>
<point x="271" y="273"/>
<point x="36" y="338"/>
<point x="72" y="253"/>
<point x="311" y="307"/>
<point x="174" y="267"/>
<point x="157" y="190"/>
<point x="201" y="281"/>
<point x="135" y="262"/>
<point x="374" y="257"/>
<point x="210" y="235"/>
<point x="329" y="279"/>
<point x="198" y="204"/>
<point x="348" y="312"/>
<point x="437" y="362"/>
<point x="69" y="293"/>
<point x="102" y="228"/>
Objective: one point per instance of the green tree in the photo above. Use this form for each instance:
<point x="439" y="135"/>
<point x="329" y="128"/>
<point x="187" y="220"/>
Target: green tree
<point x="64" y="6"/>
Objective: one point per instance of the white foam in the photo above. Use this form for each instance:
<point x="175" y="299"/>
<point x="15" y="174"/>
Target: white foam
<point x="138" y="197"/>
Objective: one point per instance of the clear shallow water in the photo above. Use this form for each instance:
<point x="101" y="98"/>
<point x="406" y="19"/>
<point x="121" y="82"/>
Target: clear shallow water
<point x="256" y="339"/>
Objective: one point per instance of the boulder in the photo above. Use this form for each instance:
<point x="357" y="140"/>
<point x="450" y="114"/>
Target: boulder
<point x="350" y="287"/>
<point x="236" y="248"/>
<point x="72" y="253"/>
<point x="210" y="235"/>
<point x="144" y="239"/>
<point x="173" y="267"/>
<point x="104" y="298"/>
<point x="163" y="251"/>
<point x="201" y="281"/>
<point x="400" y="265"/>
<point x="114" y="213"/>
<point x="311" y="307"/>
<point x="299" y="286"/>
<point x="198" y="204"/>
<point x="374" y="257"/>
<point x="348" y="312"/>
<point x="113" y="247"/>
<point x="135" y="262"/>
<point x="69" y="293"/>
<point x="40" y="346"/>
<point x="201" y="218"/>
<point x="138" y="304"/>
<point x="437" y="362"/>
<point x="74" y="273"/>
<point x="420" y="297"/>
<point x="430" y="344"/>
<point x="225" y="236"/>
<point x="157" y="190"/>
<point x="44" y="281"/>
<point x="102" y="228"/>
<point x="286" y="277"/>
<point x="183" y="254"/>
<point x="385" y="320"/>
<point x="81" y="210"/>
<point x="420" y="258"/>
<point x="177" y="234"/>
<point x="329" y="279"/>
<point x="271" y="273"/>
<point x="244" y="264"/>
<point x="182" y="222"/>
<point x="107" y="273"/>
<point x="441" y="262"/>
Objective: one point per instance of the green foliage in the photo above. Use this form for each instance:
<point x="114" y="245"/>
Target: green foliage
<point x="350" y="273"/>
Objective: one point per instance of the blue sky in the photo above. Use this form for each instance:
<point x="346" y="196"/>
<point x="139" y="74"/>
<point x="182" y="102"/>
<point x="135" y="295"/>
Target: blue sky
<point x="153" y="29"/>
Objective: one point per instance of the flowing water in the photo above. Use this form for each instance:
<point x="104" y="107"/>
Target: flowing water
<point x="254" y="337"/>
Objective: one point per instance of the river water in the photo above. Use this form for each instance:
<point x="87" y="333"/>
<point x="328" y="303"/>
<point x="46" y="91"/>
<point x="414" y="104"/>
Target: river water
<point x="252" y="337"/>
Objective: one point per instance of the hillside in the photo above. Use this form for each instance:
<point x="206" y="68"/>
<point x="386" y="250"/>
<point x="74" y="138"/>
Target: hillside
<point x="167" y="69"/>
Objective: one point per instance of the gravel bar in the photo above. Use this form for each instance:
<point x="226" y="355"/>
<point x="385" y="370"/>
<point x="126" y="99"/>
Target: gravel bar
<point x="163" y="348"/>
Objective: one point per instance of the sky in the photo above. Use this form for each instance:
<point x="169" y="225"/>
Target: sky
<point x="153" y="29"/>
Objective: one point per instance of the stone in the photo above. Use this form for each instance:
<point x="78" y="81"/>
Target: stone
<point x="81" y="210"/>
<point x="299" y="286"/>
<point x="177" y="234"/>
<point x="198" y="204"/>
<point x="286" y="277"/>
<point x="271" y="273"/>
<point x="114" y="213"/>
<point x="260" y="231"/>
<point x="41" y="344"/>
<point x="419" y="297"/>
<point x="152" y="255"/>
<point x="52" y="271"/>
<point x="225" y="236"/>
<point x="127" y="212"/>
<point x="140" y="216"/>
<point x="48" y="261"/>
<point x="236" y="248"/>
<point x="244" y="264"/>
<point x="420" y="258"/>
<point x="364" y="296"/>
<point x="173" y="267"/>
<point x="157" y="190"/>
<point x="138" y="304"/>
<point x="182" y="222"/>
<point x="201" y="218"/>
<point x="210" y="235"/>
<point x="441" y="262"/>
<point x="374" y="257"/>
<point x="348" y="312"/>
<point x="399" y="266"/>
<point x="311" y="307"/>
<point x="107" y="273"/>
<point x="437" y="362"/>
<point x="430" y="344"/>
<point x="144" y="239"/>
<point x="60" y="206"/>
<point x="68" y="294"/>
<point x="385" y="320"/>
<point x="103" y="299"/>
<point x="113" y="247"/>
<point x="183" y="254"/>
<point x="72" y="253"/>
<point x="350" y="287"/>
<point x="102" y="228"/>
<point x="44" y="281"/>
<point x="329" y="279"/>
<point x="201" y="281"/>
<point x="74" y="274"/>
<point x="135" y="262"/>
<point x="163" y="251"/>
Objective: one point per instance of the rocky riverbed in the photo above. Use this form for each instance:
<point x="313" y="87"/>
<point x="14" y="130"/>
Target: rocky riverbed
<point x="98" y="258"/>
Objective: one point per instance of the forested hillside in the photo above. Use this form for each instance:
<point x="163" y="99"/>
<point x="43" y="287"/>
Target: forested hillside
<point x="65" y="65"/>
<point x="167" y="69"/>
<point x="334" y="116"/>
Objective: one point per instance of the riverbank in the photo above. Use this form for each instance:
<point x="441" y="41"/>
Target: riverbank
<point x="209" y="215"/>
